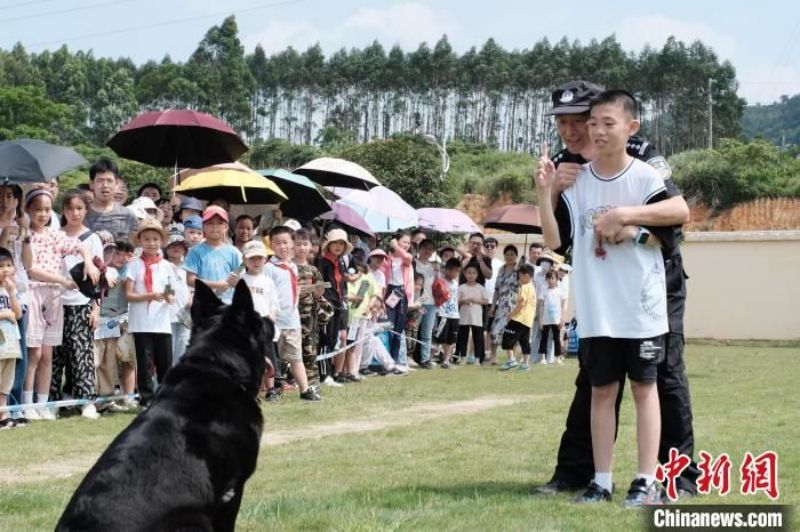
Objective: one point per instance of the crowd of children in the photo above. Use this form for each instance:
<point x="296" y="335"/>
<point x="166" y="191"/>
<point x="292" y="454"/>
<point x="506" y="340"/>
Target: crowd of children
<point x="88" y="311"/>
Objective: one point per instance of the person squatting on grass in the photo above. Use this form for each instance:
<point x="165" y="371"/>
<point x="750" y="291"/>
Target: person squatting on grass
<point x="620" y="288"/>
<point x="575" y="467"/>
<point x="42" y="252"/>
<point x="516" y="332"/>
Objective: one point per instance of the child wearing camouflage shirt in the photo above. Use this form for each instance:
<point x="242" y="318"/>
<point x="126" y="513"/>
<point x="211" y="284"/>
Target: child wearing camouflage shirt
<point x="315" y="310"/>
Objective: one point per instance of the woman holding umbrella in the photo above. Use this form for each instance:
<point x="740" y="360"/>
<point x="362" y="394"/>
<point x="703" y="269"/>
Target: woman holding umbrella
<point x="506" y="288"/>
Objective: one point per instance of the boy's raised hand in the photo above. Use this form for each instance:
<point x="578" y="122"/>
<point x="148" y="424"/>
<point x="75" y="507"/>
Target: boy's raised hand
<point x="545" y="174"/>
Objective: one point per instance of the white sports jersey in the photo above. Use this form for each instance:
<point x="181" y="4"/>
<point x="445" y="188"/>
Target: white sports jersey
<point x="621" y="294"/>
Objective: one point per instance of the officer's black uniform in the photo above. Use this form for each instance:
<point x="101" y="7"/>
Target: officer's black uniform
<point x="575" y="466"/>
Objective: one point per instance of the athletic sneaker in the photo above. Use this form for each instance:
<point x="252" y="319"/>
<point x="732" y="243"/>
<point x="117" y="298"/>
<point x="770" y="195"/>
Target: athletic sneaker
<point x="544" y="361"/>
<point x="330" y="381"/>
<point x="594" y="493"/>
<point x="89" y="412"/>
<point x="640" y="494"/>
<point x="31" y="414"/>
<point x="509" y="365"/>
<point x="426" y="365"/>
<point x="523" y="367"/>
<point x="271" y="396"/>
<point x="471" y="359"/>
<point x="444" y="365"/>
<point x="7" y="423"/>
<point x="556" y="486"/>
<point x="310" y="395"/>
<point x="46" y="414"/>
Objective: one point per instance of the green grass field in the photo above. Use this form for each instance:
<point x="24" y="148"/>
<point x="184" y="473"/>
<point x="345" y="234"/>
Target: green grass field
<point x="438" y="450"/>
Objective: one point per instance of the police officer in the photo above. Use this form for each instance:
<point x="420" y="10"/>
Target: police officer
<point x="575" y="466"/>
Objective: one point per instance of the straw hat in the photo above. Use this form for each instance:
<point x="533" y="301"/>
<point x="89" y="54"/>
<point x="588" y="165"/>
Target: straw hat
<point x="554" y="258"/>
<point x="148" y="224"/>
<point x="337" y="235"/>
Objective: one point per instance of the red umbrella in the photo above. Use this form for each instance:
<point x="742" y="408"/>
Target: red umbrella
<point x="514" y="218"/>
<point x="179" y="138"/>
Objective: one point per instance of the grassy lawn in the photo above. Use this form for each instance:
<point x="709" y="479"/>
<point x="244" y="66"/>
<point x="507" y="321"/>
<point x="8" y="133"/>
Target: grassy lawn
<point x="457" y="450"/>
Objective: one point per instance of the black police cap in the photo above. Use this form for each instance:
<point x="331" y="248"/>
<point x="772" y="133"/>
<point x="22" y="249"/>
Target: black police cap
<point x="573" y="97"/>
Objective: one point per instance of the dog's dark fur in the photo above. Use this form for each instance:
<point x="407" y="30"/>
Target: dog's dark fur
<point x="182" y="463"/>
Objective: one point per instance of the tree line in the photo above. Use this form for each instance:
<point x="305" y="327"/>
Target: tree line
<point x="486" y="95"/>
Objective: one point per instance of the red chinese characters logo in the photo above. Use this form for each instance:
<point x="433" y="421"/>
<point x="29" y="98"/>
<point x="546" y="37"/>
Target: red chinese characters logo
<point x="760" y="473"/>
<point x="714" y="475"/>
<point x="672" y="470"/>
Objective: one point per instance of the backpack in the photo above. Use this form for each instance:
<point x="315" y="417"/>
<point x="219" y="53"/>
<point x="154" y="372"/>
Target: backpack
<point x="440" y="291"/>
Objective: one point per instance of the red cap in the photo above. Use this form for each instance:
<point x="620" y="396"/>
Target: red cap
<point x="214" y="210"/>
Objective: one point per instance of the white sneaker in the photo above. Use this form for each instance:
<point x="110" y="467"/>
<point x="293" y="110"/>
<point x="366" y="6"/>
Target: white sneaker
<point x="130" y="404"/>
<point x="330" y="382"/>
<point x="31" y="414"/>
<point x="543" y="361"/>
<point x="89" y="411"/>
<point x="46" y="414"/>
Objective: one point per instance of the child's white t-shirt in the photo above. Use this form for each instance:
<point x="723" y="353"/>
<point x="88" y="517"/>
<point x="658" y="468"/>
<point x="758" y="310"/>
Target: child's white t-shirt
<point x="264" y="293"/>
<point x="551" y="312"/>
<point x="471" y="313"/>
<point x="449" y="309"/>
<point x="9" y="347"/>
<point x="149" y="316"/>
<point x="621" y="294"/>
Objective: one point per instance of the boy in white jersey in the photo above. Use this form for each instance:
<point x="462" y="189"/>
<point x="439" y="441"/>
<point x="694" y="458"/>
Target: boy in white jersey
<point x="620" y="292"/>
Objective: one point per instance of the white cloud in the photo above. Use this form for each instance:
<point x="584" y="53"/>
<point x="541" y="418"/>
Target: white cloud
<point x="636" y="31"/>
<point x="407" y="24"/>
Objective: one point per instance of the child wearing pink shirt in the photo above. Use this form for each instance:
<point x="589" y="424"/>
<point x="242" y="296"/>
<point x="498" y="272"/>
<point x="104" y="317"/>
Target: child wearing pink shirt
<point x="42" y="253"/>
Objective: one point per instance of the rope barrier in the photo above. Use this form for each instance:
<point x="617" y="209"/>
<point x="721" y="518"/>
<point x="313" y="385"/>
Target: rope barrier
<point x="68" y="402"/>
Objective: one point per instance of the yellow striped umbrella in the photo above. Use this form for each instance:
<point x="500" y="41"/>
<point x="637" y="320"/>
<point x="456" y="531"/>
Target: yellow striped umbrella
<point x="233" y="182"/>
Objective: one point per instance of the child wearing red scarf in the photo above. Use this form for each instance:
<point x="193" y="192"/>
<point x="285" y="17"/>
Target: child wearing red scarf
<point x="333" y="267"/>
<point x="149" y="296"/>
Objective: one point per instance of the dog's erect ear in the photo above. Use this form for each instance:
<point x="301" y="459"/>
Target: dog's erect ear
<point x="242" y="299"/>
<point x="205" y="303"/>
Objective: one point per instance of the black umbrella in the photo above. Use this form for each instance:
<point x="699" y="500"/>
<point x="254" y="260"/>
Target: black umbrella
<point x="305" y="201"/>
<point x="35" y="161"/>
<point x="177" y="137"/>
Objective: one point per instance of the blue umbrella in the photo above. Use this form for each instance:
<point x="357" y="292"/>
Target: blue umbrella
<point x="35" y="161"/>
<point x="305" y="200"/>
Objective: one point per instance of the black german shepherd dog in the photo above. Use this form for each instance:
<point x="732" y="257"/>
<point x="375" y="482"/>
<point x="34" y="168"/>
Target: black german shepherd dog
<point x="183" y="462"/>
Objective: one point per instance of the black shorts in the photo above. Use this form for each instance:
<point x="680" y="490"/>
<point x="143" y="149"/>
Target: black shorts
<point x="609" y="360"/>
<point x="487" y="320"/>
<point x="514" y="333"/>
<point x="339" y="319"/>
<point x="446" y="331"/>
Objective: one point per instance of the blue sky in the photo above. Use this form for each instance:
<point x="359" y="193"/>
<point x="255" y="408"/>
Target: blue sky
<point x="761" y="39"/>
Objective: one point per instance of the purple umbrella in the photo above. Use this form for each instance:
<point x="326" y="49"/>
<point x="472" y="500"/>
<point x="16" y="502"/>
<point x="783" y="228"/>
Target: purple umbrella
<point x="446" y="221"/>
<point x="344" y="215"/>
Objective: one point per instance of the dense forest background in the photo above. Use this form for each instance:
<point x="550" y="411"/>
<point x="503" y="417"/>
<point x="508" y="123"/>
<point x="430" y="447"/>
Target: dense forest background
<point x="490" y="103"/>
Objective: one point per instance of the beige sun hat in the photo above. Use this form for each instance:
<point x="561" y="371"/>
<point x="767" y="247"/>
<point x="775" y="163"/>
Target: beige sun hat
<point x="337" y="235"/>
<point x="149" y="224"/>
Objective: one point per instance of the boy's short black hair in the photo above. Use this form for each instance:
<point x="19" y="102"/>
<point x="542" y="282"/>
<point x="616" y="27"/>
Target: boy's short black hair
<point x="535" y="245"/>
<point x="473" y="235"/>
<point x="526" y="269"/>
<point x="490" y="240"/>
<point x="452" y="264"/>
<point x="124" y="245"/>
<point x="510" y="247"/>
<point x="617" y="97"/>
<point x="281" y="230"/>
<point x="6" y="255"/>
<point x="427" y="242"/>
<point x="101" y="165"/>
<point x="243" y="217"/>
<point x="303" y="234"/>
<point x="150" y="185"/>
<point x="471" y="266"/>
